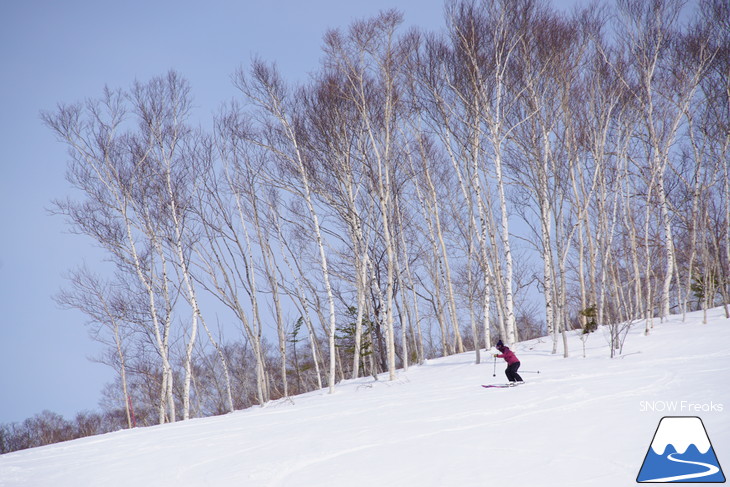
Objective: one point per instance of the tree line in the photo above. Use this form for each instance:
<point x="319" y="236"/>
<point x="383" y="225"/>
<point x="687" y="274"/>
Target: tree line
<point x="521" y="172"/>
<point x="48" y="427"/>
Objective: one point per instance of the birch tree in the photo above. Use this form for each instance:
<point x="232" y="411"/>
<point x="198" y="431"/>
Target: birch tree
<point x="282" y="137"/>
<point x="109" y="320"/>
<point x="486" y="36"/>
<point x="228" y="256"/>
<point x="334" y="134"/>
<point x="178" y="158"/>
<point x="368" y="58"/>
<point x="544" y="52"/>
<point x="665" y="86"/>
<point x="109" y="166"/>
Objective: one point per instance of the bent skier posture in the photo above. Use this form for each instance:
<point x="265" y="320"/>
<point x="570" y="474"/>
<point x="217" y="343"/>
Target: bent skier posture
<point x="513" y="363"/>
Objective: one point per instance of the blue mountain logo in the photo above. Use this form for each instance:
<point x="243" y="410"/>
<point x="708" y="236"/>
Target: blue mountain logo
<point x="681" y="452"/>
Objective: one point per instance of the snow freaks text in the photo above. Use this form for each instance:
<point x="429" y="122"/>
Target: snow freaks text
<point x="685" y="407"/>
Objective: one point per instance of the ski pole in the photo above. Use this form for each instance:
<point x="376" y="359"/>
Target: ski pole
<point x="529" y="371"/>
<point x="494" y="372"/>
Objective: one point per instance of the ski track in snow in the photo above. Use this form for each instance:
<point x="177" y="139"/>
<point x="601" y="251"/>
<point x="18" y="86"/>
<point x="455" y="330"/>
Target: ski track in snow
<point x="576" y="423"/>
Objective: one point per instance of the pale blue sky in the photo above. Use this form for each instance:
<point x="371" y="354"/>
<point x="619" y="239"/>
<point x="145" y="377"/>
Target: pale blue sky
<point x="63" y="51"/>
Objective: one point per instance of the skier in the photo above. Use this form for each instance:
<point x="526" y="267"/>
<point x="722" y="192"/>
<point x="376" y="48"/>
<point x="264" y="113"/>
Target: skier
<point x="513" y="363"/>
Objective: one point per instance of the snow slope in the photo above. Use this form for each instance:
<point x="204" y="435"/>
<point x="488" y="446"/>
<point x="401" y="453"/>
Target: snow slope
<point x="581" y="421"/>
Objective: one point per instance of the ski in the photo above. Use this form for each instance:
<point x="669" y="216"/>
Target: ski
<point x="501" y="386"/>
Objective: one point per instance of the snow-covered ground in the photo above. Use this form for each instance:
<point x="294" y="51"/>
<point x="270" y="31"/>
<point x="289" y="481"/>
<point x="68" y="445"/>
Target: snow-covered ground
<point x="581" y="421"/>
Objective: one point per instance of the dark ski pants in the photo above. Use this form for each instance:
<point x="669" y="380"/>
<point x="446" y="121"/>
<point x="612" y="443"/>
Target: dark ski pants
<point x="511" y="372"/>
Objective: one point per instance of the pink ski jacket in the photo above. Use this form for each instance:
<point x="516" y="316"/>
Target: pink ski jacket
<point x="508" y="355"/>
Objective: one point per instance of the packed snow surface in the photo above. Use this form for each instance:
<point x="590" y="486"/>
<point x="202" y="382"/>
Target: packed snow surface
<point x="580" y="421"/>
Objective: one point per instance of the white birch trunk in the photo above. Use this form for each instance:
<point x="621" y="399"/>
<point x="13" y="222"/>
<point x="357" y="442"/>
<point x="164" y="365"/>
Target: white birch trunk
<point x="303" y="301"/>
<point x="510" y="323"/>
<point x="444" y="258"/>
<point x="253" y="332"/>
